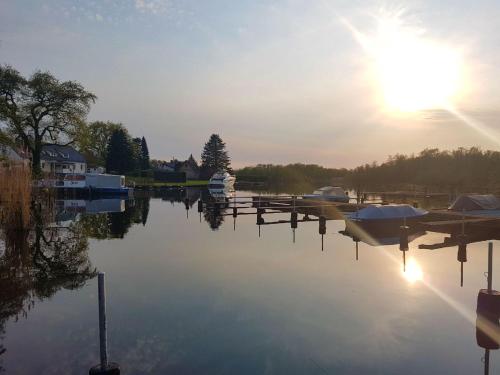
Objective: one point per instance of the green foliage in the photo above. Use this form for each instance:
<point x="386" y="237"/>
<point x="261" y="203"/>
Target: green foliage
<point x="120" y="153"/>
<point x="214" y="157"/>
<point x="145" y="164"/>
<point x="306" y="176"/>
<point x="5" y="139"/>
<point x="461" y="169"/>
<point x="92" y="140"/>
<point x="41" y="109"/>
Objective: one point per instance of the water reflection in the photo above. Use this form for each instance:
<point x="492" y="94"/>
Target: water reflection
<point x="52" y="254"/>
<point x="296" y="298"/>
<point x="38" y="262"/>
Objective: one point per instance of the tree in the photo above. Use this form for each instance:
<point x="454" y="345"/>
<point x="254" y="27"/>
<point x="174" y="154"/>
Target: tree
<point x="214" y="157"/>
<point x="41" y="109"/>
<point x="136" y="147"/>
<point x="120" y="153"/>
<point x="92" y="140"/>
<point x="144" y="155"/>
<point x="4" y="138"/>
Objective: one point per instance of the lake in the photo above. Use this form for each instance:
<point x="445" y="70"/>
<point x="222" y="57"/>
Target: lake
<point x="202" y="294"/>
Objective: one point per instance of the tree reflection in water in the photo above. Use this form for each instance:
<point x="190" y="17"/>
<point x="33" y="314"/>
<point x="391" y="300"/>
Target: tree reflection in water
<point x="39" y="261"/>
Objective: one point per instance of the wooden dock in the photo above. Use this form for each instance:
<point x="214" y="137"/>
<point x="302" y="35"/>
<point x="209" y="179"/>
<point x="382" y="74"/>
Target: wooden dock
<point x="440" y="220"/>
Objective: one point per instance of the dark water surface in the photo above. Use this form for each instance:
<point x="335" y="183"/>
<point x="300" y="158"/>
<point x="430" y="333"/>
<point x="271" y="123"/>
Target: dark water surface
<point x="184" y="298"/>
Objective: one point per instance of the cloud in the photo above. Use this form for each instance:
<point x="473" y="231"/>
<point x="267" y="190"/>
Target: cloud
<point x="151" y="6"/>
<point x="98" y="17"/>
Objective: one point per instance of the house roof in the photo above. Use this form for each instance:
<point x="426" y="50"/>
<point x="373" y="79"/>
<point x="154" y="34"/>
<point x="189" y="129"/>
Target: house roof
<point x="61" y="154"/>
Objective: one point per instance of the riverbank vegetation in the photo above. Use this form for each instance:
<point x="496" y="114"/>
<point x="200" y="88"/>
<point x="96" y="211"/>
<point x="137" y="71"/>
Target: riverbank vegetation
<point x="292" y="174"/>
<point x="15" y="196"/>
<point x="431" y="170"/>
<point x="460" y="170"/>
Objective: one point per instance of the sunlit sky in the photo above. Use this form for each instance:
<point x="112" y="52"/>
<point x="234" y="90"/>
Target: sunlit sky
<point x="280" y="81"/>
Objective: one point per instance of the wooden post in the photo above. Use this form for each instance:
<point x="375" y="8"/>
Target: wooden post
<point x="104" y="367"/>
<point x="490" y="266"/>
<point x="103" y="339"/>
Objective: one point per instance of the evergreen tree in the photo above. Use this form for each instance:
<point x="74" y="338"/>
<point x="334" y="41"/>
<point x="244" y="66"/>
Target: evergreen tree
<point x="120" y="156"/>
<point x="214" y="157"/>
<point x="136" y="147"/>
<point x="144" y="155"/>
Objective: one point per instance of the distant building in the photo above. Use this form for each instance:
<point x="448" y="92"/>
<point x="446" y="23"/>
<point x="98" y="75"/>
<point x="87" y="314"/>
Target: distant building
<point x="62" y="159"/>
<point x="190" y="168"/>
<point x="166" y="166"/>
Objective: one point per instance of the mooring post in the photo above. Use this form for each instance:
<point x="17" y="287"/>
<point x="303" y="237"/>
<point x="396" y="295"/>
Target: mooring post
<point x="105" y="367"/>
<point x="490" y="266"/>
<point x="103" y="339"/>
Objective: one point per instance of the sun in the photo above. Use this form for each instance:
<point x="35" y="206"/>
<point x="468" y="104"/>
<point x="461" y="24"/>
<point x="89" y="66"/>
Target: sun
<point x="411" y="72"/>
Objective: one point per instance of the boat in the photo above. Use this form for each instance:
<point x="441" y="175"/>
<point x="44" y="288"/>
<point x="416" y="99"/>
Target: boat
<point x="382" y="214"/>
<point x="107" y="184"/>
<point x="329" y="193"/>
<point x="221" y="180"/>
<point x="92" y="183"/>
<point x="379" y="234"/>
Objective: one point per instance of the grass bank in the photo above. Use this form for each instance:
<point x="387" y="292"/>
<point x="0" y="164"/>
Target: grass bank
<point x="150" y="182"/>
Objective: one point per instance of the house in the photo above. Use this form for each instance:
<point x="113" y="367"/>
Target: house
<point x="62" y="159"/>
<point x="190" y="168"/>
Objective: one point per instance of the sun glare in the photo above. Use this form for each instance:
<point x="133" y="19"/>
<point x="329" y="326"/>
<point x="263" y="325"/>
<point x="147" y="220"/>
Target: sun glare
<point x="411" y="72"/>
<point x="413" y="272"/>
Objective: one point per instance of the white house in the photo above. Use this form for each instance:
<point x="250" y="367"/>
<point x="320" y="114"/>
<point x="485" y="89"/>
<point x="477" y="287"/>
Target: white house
<point x="62" y="159"/>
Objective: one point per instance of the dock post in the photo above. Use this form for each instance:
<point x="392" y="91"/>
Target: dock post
<point x="462" y="255"/>
<point x="200" y="207"/>
<point x="322" y="229"/>
<point x="105" y="367"/>
<point x="490" y="266"/>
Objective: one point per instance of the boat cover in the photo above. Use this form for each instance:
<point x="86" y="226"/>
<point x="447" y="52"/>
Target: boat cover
<point x="387" y="212"/>
<point x="473" y="202"/>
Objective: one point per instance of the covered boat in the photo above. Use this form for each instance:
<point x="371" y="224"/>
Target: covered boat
<point x="475" y="202"/>
<point x="395" y="212"/>
<point x="329" y="193"/>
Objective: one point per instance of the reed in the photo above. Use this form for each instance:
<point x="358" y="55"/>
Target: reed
<point x="15" y="195"/>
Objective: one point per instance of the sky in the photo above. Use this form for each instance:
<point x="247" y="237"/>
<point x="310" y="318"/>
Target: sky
<point x="280" y="81"/>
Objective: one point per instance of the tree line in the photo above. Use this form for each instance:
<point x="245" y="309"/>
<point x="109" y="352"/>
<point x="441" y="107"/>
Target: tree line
<point x="462" y="170"/>
<point x="291" y="174"/>
<point x="42" y="109"/>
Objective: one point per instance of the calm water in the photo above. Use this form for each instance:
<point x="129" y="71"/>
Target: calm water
<point x="199" y="297"/>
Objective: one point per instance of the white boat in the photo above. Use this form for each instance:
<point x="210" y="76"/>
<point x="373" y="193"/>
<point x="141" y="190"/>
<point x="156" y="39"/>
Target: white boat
<point x="222" y="180"/>
<point x="221" y="194"/>
<point x="104" y="184"/>
<point x="329" y="193"/>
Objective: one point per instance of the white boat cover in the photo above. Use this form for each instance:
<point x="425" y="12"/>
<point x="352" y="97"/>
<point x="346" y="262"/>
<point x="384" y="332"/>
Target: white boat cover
<point x="472" y="202"/>
<point x="387" y="212"/>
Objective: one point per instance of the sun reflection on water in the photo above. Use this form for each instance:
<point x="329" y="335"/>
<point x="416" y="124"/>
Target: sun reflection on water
<point x="413" y="272"/>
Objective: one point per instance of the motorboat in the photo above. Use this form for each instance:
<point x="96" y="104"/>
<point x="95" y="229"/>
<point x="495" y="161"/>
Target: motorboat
<point x="222" y="181"/>
<point x="329" y="193"/>
<point x="221" y="194"/>
<point x="376" y="213"/>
